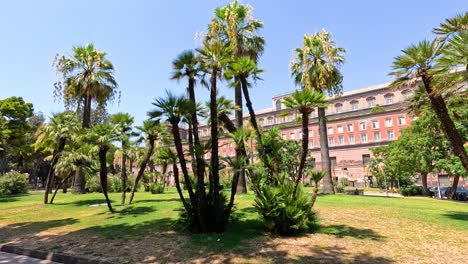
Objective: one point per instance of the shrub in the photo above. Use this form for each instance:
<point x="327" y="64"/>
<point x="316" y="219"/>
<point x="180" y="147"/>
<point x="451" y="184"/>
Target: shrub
<point x="340" y="189"/>
<point x="114" y="183"/>
<point x="13" y="182"/>
<point x="344" y="182"/>
<point x="411" y="190"/>
<point x="281" y="213"/>
<point x="156" y="188"/>
<point x="93" y="184"/>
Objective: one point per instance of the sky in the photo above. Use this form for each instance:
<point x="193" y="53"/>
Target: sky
<point x="143" y="37"/>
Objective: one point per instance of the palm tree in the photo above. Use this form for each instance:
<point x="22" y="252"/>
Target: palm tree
<point x="102" y="136"/>
<point x="305" y="101"/>
<point x="188" y="65"/>
<point x="239" y="32"/>
<point x="316" y="66"/>
<point x="61" y="128"/>
<point x="316" y="176"/>
<point x="87" y="76"/>
<point x="123" y="124"/>
<point x="154" y="131"/>
<point x="416" y="65"/>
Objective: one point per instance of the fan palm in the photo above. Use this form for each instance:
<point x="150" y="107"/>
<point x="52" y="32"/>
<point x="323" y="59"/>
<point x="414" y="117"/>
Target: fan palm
<point x="415" y="65"/>
<point x="316" y="177"/>
<point x="305" y="101"/>
<point x="123" y="125"/>
<point x="316" y="66"/>
<point x="61" y="128"/>
<point x="87" y="76"/>
<point x="154" y="131"/>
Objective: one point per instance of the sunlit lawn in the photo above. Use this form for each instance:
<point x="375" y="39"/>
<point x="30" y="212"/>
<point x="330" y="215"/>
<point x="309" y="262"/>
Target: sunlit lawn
<point x="354" y="229"/>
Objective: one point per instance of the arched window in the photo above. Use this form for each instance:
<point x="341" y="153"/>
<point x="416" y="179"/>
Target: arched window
<point x="261" y="121"/>
<point x="370" y="102"/>
<point x="270" y="120"/>
<point x="278" y="105"/>
<point x="339" y="107"/>
<point x="406" y="94"/>
<point x="388" y="98"/>
<point x="354" y="105"/>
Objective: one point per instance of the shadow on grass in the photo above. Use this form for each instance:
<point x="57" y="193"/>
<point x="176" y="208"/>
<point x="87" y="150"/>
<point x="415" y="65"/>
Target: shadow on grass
<point x="341" y="231"/>
<point x="135" y="211"/>
<point x="85" y="202"/>
<point x="156" y="200"/>
<point x="29" y="228"/>
<point x="11" y="198"/>
<point x="457" y="215"/>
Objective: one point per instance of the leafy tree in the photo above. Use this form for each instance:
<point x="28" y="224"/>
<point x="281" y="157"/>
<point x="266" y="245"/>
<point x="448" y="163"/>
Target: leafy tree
<point x="316" y="66"/>
<point x="305" y="102"/>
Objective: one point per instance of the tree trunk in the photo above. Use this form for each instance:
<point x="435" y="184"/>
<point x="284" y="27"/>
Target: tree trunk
<point x="58" y="187"/>
<point x="241" y="183"/>
<point x="314" y="195"/>
<point x="305" y="148"/>
<point x="103" y="174"/>
<point x="79" y="182"/>
<point x="123" y="173"/>
<point x="141" y="171"/>
<point x="50" y="175"/>
<point x="324" y="153"/>
<point x="191" y="148"/>
<point x="87" y="112"/>
<point x="187" y="207"/>
<point x="440" y="108"/>
<point x="424" y="183"/>
<point x="453" y="189"/>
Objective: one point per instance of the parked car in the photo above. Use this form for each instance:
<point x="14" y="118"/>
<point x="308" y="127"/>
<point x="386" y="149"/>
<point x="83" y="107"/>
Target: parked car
<point x="433" y="191"/>
<point x="461" y="194"/>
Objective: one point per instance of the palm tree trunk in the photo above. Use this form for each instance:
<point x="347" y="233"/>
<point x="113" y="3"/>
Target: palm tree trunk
<point x="58" y="187"/>
<point x="79" y="181"/>
<point x="325" y="153"/>
<point x="103" y="174"/>
<point x="87" y="112"/>
<point x="241" y="183"/>
<point x="141" y="171"/>
<point x="253" y="120"/>
<point x="314" y="195"/>
<point x="440" y="108"/>
<point x="175" y="170"/>
<point x="453" y="189"/>
<point x="191" y="148"/>
<point x="214" y="144"/>
<point x="305" y="148"/>
<point x="50" y="175"/>
<point x="123" y="173"/>
<point x="424" y="183"/>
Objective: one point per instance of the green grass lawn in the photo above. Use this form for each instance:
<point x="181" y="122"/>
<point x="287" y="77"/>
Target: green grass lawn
<point x="353" y="229"/>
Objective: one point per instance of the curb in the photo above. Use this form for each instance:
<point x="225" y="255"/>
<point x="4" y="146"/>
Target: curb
<point x="56" y="257"/>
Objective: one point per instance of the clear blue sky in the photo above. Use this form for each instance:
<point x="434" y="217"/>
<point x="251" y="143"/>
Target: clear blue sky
<point x="143" y="37"/>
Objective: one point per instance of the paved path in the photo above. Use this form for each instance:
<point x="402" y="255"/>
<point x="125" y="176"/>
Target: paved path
<point x="13" y="258"/>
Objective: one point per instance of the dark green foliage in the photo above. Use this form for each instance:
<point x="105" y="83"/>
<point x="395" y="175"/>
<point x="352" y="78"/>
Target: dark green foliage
<point x="13" y="182"/>
<point x="283" y="214"/>
<point x="411" y="190"/>
<point x="156" y="188"/>
<point x="114" y="183"/>
<point x="93" y="184"/>
<point x="340" y="189"/>
<point x="377" y="109"/>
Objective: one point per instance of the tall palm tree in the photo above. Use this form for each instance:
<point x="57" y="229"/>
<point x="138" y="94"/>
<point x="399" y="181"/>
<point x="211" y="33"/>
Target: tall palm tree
<point x="123" y="124"/>
<point x="61" y="128"/>
<point x="87" y="76"/>
<point x="188" y="65"/>
<point x="239" y="32"/>
<point x="416" y="65"/>
<point x="154" y="131"/>
<point x="316" y="66"/>
<point x="305" y="101"/>
<point x="102" y="136"/>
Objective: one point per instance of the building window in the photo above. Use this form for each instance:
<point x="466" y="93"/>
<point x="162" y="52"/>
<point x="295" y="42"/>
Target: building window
<point x="333" y="162"/>
<point x="362" y="126"/>
<point x="375" y="124"/>
<point x="339" y="108"/>
<point x="350" y="128"/>
<point x="283" y="136"/>
<point x="351" y="139"/>
<point x="388" y="122"/>
<point x="388" y="98"/>
<point x="340" y="129"/>
<point x="261" y="121"/>
<point x="311" y="133"/>
<point x="270" y="120"/>
<point x="370" y="102"/>
<point x="354" y="105"/>
<point x="300" y="135"/>
<point x="363" y="138"/>
<point x="390" y="134"/>
<point x="311" y="144"/>
<point x="401" y="120"/>
<point x="340" y="140"/>
<point x="331" y="141"/>
<point x="376" y="136"/>
<point x="292" y="135"/>
<point x="278" y="105"/>
<point x="365" y="159"/>
<point x="406" y="94"/>
<point x="330" y="131"/>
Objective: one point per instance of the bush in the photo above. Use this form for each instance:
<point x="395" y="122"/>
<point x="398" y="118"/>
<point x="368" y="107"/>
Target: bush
<point x="93" y="184"/>
<point x="411" y="190"/>
<point x="156" y="188"/>
<point x="340" y="189"/>
<point x="114" y="183"/>
<point x="13" y="182"/>
<point x="282" y="214"/>
<point x="344" y="182"/>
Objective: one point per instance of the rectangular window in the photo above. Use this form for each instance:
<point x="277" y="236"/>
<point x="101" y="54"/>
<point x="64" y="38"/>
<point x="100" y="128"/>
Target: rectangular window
<point x="330" y="131"/>
<point x="340" y="140"/>
<point x="354" y="105"/>
<point x="362" y="126"/>
<point x="390" y="134"/>
<point x="365" y="159"/>
<point x="388" y="122"/>
<point x="311" y="144"/>
<point x="311" y="133"/>
<point x="331" y="141"/>
<point x="376" y="136"/>
<point x="292" y="135"/>
<point x="375" y="124"/>
<point x="350" y="128"/>
<point x="340" y="129"/>
<point x="351" y="139"/>
<point x="363" y="138"/>
<point x="401" y="120"/>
